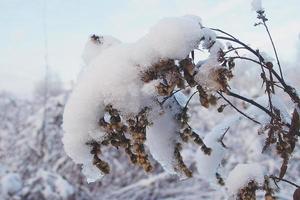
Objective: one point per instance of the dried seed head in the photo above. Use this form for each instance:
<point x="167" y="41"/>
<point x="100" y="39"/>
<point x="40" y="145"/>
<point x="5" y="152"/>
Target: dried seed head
<point x="181" y="167"/>
<point x="220" y="179"/>
<point x="269" y="65"/>
<point x="296" y="195"/>
<point x="96" y="39"/>
<point x="102" y="165"/>
<point x="221" y="108"/>
<point x="248" y="192"/>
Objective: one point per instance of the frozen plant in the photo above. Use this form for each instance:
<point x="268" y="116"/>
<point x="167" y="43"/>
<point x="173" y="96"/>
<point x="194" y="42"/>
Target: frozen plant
<point x="136" y="97"/>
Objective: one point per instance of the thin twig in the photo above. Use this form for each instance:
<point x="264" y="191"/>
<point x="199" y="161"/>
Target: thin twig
<point x="222" y="137"/>
<point x="284" y="180"/>
<point x="188" y="101"/>
<point x="224" y="32"/>
<point x="274" y="48"/>
<point x="234" y="39"/>
<point x="243" y="44"/>
<point x="287" y="88"/>
<point x="251" y="102"/>
<point x="246" y="58"/>
<point x="166" y="98"/>
<point x="271" y="81"/>
<point x="264" y="77"/>
<point x="237" y="108"/>
<point x="278" y="86"/>
<point x="257" y="62"/>
<point x="233" y="49"/>
<point x="256" y="53"/>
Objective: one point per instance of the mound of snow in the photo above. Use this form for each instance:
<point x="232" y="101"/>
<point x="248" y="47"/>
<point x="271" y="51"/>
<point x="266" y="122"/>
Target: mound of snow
<point x="242" y="174"/>
<point x="113" y="77"/>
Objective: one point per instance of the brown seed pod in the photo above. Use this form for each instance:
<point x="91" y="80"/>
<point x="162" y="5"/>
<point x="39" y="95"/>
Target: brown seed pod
<point x="296" y="195"/>
<point x="221" y="108"/>
<point x="248" y="192"/>
<point x="181" y="167"/>
<point x="269" y="65"/>
<point x="204" y="98"/>
<point x="96" y="39"/>
<point x="220" y="179"/>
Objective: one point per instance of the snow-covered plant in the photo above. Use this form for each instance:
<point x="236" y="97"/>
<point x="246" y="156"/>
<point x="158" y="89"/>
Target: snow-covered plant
<point x="136" y="97"/>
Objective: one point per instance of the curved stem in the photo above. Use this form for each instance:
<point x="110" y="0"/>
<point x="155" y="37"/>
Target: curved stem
<point x="166" y="98"/>
<point x="233" y="49"/>
<point x="243" y="44"/>
<point x="287" y="88"/>
<point x="237" y="108"/>
<point x="274" y="48"/>
<point x="284" y="180"/>
<point x="188" y="101"/>
<point x="224" y="32"/>
<point x="251" y="102"/>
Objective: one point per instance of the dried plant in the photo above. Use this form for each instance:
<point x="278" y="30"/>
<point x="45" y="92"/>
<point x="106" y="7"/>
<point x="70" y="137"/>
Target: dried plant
<point x="129" y="131"/>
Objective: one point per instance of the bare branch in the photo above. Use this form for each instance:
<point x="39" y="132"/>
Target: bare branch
<point x="222" y="137"/>
<point x="252" y="102"/>
<point x="188" y="101"/>
<point x="284" y="180"/>
<point x="237" y="108"/>
<point x="274" y="48"/>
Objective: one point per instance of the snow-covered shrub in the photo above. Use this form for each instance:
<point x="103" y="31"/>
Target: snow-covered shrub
<point x="136" y="97"/>
<point x="11" y="183"/>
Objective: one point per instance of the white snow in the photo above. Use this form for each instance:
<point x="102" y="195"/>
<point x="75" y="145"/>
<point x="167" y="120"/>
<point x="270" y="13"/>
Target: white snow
<point x="209" y="38"/>
<point x="242" y="174"/>
<point x="112" y="77"/>
<point x="256" y="5"/>
<point x="161" y="139"/>
<point x="244" y="146"/>
<point x="279" y="104"/>
<point x="91" y="172"/>
<point x="264" y="118"/>
<point x="93" y="48"/>
<point x="206" y="76"/>
<point x="55" y="184"/>
<point x="267" y="57"/>
<point x="207" y="165"/>
<point x="64" y="188"/>
<point x="11" y="183"/>
<point x="174" y="38"/>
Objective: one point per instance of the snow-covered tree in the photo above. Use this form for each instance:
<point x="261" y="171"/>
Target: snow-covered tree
<point x="54" y="86"/>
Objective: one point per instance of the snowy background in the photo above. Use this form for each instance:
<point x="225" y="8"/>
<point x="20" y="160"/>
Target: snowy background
<point x="36" y="34"/>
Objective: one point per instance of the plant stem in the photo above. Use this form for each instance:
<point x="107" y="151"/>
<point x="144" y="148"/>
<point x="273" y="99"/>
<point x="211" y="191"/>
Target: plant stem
<point x="251" y="102"/>
<point x="188" y="101"/>
<point x="237" y="108"/>
<point x="274" y="48"/>
<point x="282" y="179"/>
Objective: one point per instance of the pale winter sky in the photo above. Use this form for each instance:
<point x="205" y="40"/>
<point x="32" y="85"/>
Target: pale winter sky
<point x="69" y="24"/>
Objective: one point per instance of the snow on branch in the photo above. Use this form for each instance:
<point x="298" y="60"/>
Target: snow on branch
<point x="136" y="97"/>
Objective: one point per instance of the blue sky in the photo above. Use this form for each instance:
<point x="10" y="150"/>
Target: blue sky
<point x="69" y="24"/>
